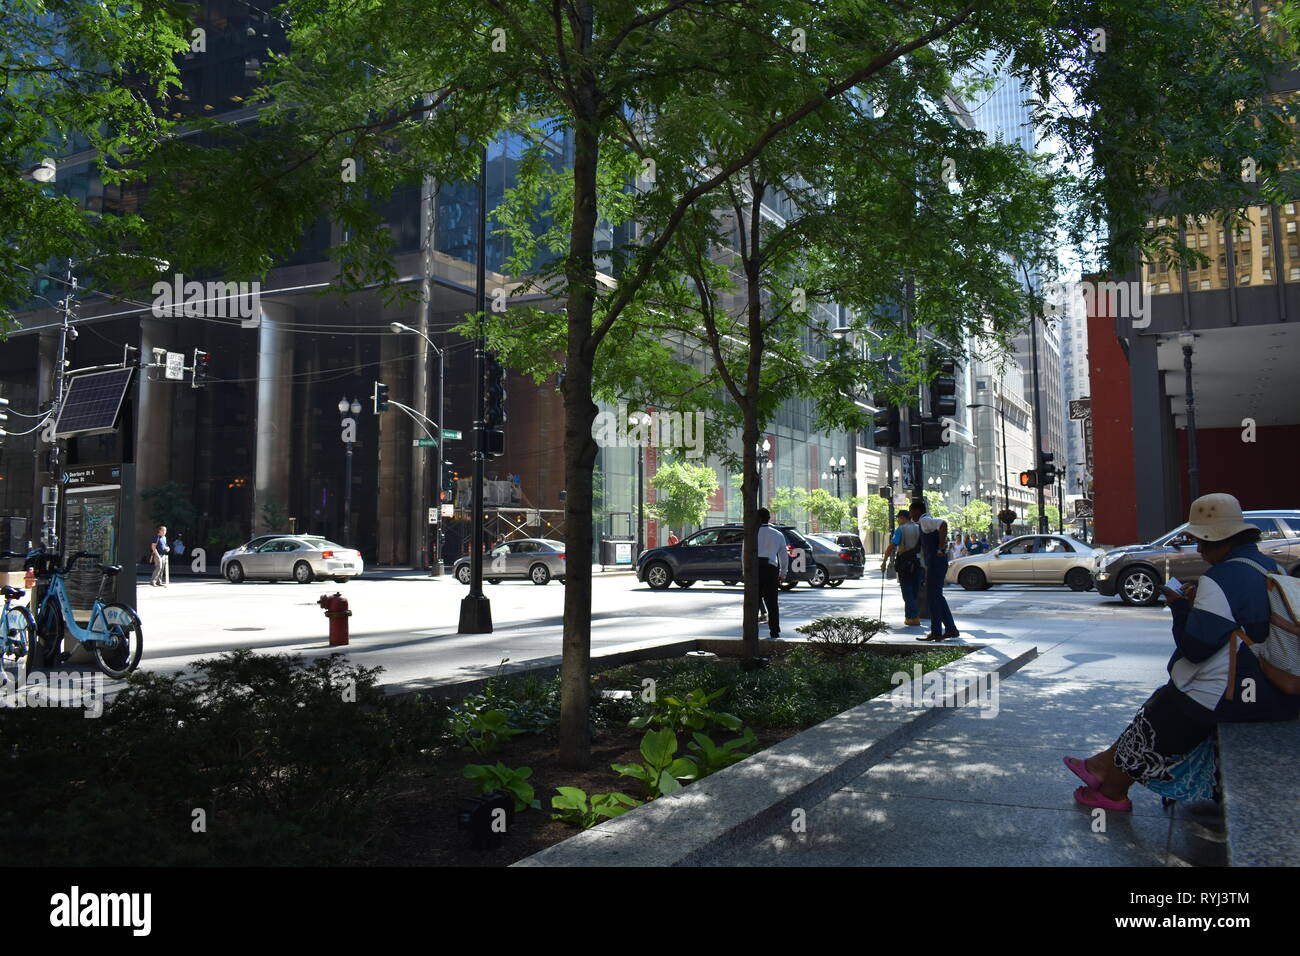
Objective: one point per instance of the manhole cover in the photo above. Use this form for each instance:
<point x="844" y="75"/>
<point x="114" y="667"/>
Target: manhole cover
<point x="243" y="629"/>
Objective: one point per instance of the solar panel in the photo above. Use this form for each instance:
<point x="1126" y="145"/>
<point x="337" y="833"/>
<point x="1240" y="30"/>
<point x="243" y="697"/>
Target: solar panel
<point x="93" y="403"/>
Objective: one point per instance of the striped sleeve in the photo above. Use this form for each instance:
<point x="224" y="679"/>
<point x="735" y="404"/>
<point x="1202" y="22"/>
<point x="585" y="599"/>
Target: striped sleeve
<point x="1209" y="623"/>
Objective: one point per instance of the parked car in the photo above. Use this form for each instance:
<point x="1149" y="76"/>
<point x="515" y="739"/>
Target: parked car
<point x="1028" y="559"/>
<point x="1137" y="572"/>
<point x="301" y="558"/>
<point x="713" y="554"/>
<point x="532" y="559"/>
<point x="845" y="541"/>
<point x="833" y="562"/>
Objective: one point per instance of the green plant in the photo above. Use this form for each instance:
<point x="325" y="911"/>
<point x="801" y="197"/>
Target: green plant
<point x="690" y="712"/>
<point x="682" y="493"/>
<point x="481" y="731"/>
<point x="500" y="777"/>
<point x="577" y="809"/>
<point x="169" y="505"/>
<point x="274" y="515"/>
<point x="662" y="768"/>
<point x="710" y="758"/>
<point x="841" y="636"/>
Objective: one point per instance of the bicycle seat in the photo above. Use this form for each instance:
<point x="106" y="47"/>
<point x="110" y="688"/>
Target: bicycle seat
<point x="109" y="568"/>
<point x="9" y="592"/>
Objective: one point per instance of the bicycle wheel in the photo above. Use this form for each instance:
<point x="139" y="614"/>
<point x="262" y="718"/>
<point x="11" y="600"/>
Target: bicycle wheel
<point x="49" y="637"/>
<point x="121" y="655"/>
<point x="19" y="630"/>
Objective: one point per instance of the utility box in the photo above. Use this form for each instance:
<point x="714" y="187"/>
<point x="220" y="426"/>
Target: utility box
<point x="617" y="551"/>
<point x="98" y="515"/>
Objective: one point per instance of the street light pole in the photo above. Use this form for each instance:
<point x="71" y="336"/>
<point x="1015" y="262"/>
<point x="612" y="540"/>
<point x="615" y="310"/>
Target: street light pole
<point x="636" y="421"/>
<point x="475" y="608"/>
<point x="435" y="563"/>
<point x="1187" y="340"/>
<point x="349" y="432"/>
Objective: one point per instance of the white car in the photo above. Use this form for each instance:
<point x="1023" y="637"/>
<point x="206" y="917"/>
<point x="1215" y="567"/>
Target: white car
<point x="301" y="558"/>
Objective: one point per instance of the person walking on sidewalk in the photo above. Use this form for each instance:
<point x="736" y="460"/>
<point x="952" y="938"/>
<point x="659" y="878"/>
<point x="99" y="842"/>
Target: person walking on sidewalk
<point x="934" y="549"/>
<point x="773" y="565"/>
<point x="158" y="552"/>
<point x="1167" y="745"/>
<point x="906" y="539"/>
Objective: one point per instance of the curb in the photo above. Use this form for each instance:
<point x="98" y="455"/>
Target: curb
<point x="698" y="824"/>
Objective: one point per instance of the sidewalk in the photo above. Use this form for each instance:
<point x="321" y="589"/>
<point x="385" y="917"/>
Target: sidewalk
<point x="973" y="790"/>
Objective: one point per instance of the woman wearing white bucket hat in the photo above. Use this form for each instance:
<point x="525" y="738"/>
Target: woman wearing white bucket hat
<point x="1166" y="746"/>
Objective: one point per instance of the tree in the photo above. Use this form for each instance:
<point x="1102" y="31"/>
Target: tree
<point x="170" y="505"/>
<point x="831" y="513"/>
<point x="683" y="492"/>
<point x="973" y="518"/>
<point x="404" y="90"/>
<point x="877" y="518"/>
<point x="1032" y="514"/>
<point x="76" y="73"/>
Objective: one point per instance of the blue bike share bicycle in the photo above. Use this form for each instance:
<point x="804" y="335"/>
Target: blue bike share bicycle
<point x="113" y="634"/>
<point x="17" y="629"/>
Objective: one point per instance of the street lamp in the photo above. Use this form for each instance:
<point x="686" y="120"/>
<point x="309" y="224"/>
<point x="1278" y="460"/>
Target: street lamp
<point x="837" y="469"/>
<point x="435" y="560"/>
<point x="965" y="495"/>
<point x="636" y="420"/>
<point x="1187" y="340"/>
<point x="349" y="438"/>
<point x="764" y="461"/>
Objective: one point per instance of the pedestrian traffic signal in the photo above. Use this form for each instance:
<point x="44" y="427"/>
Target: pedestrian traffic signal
<point x="943" y="391"/>
<point x="201" y="360"/>
<point x="380" y="397"/>
<point x="494" y="392"/>
<point x="494" y="442"/>
<point x="929" y="433"/>
<point x="448" y="493"/>
<point x="4" y="418"/>
<point x="1029" y="479"/>
<point x="888" y="428"/>
<point x="1046" y="470"/>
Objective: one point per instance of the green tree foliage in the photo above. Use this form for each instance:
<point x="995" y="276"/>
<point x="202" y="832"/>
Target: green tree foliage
<point x="877" y="518"/>
<point x="682" y="493"/>
<point x="973" y="518"/>
<point x="169" y="504"/>
<point x="76" y="74"/>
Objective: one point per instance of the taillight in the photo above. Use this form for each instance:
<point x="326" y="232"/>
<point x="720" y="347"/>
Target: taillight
<point x="561" y="555"/>
<point x="327" y="554"/>
<point x="845" y="556"/>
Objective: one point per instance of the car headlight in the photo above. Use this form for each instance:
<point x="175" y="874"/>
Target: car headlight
<point x="1109" y="559"/>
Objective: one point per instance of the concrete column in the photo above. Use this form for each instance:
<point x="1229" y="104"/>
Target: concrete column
<point x="1150" y="410"/>
<point x="274" y="415"/>
<point x="153" y="439"/>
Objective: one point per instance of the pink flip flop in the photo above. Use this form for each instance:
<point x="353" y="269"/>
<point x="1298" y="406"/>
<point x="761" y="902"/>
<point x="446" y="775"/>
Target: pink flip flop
<point x="1086" y="796"/>
<point x="1080" y="770"/>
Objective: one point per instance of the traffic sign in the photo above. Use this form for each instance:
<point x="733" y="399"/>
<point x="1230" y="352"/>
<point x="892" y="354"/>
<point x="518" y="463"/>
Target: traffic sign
<point x="175" y="366"/>
<point x="423" y="443"/>
<point x="451" y="434"/>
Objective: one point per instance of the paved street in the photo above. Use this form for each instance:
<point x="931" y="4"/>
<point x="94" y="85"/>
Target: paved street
<point x="408" y="625"/>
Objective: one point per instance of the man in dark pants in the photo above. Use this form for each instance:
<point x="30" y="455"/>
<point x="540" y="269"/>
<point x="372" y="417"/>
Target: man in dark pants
<point x="773" y="565"/>
<point x="934" y="549"/>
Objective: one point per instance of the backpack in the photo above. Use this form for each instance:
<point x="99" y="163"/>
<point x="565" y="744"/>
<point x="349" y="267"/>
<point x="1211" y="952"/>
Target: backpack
<point x="909" y="561"/>
<point x="1279" y="653"/>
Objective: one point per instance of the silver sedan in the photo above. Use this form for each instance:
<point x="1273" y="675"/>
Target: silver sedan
<point x="301" y="558"/>
<point x="1029" y="559"/>
<point x="533" y="559"/>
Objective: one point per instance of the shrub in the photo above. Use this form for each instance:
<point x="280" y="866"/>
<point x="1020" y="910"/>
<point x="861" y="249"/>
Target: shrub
<point x="662" y="769"/>
<point x="841" y="636"/>
<point x="500" y="777"/>
<point x="689" y="712"/>
<point x="575" y="808"/>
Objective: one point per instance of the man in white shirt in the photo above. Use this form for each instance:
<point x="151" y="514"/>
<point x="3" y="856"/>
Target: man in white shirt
<point x="773" y="565"/>
<point x="934" y="548"/>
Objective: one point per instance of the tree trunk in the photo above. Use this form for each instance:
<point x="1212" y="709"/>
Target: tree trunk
<point x="579" y="446"/>
<point x="749" y="486"/>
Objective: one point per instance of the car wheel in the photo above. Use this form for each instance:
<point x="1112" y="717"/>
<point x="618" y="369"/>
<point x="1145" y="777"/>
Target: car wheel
<point x="342" y="580"/>
<point x="729" y="584"/>
<point x="684" y="584"/>
<point x="658" y="576"/>
<point x="540" y="574"/>
<point x="463" y="574"/>
<point x="235" y="572"/>
<point x="835" y="582"/>
<point x="972" y="579"/>
<point x="1079" y="579"/>
<point x="302" y="573"/>
<point x="493" y="580"/>
<point x="1139" y="588"/>
<point x="562" y="579"/>
<point x="819" y="577"/>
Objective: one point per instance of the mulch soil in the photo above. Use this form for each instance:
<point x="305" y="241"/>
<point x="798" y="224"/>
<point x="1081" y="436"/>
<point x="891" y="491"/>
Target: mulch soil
<point x="420" y="809"/>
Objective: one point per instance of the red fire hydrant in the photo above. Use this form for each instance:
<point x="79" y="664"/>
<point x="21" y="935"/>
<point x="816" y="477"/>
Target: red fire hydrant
<point x="336" y="609"/>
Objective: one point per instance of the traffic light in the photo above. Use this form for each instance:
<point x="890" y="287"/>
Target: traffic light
<point x="494" y="442"/>
<point x="1046" y="470"/>
<point x="448" y="493"/>
<point x="380" y="396"/>
<point x="4" y="418"/>
<point x="494" y="391"/>
<point x="929" y="433"/>
<point x="201" y="361"/>
<point x="1029" y="479"/>
<point x="888" y="428"/>
<point x="943" y="391"/>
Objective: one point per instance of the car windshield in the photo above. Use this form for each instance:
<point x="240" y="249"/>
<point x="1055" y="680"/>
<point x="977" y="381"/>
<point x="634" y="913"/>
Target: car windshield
<point x="322" y="543"/>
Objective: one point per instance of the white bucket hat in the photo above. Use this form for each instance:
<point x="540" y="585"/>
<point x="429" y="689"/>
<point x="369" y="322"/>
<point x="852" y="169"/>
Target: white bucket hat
<point x="1216" y="517"/>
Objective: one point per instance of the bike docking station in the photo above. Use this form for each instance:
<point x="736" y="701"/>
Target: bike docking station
<point x="98" y="515"/>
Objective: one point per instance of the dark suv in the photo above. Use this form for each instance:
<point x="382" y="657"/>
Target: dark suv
<point x="713" y="554"/>
<point x="1137" y="572"/>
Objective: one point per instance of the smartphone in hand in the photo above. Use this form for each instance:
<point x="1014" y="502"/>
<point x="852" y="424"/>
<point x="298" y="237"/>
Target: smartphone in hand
<point x="1174" y="589"/>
